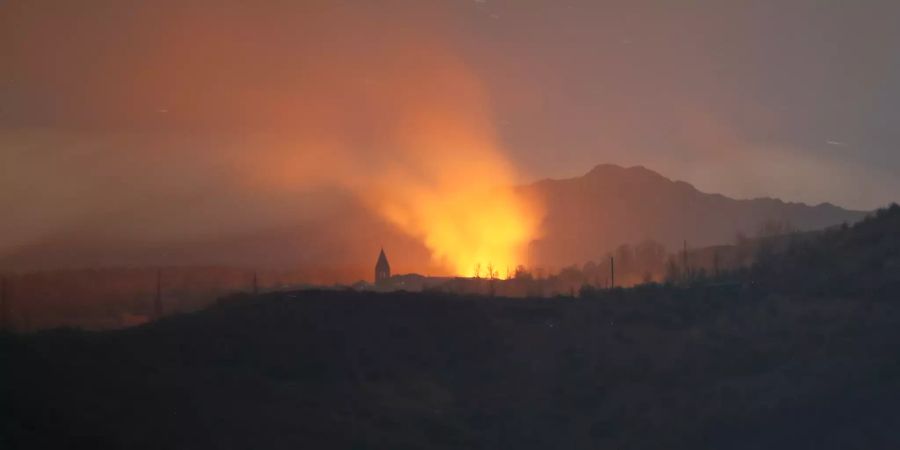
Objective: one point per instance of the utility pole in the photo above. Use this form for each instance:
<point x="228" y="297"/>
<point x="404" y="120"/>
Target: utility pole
<point x="685" y="259"/>
<point x="5" y="307"/>
<point x="612" y="272"/>
<point x="157" y="303"/>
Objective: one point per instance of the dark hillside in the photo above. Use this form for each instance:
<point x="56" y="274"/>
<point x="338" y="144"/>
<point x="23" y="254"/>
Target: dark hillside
<point x="644" y="368"/>
<point x="802" y="350"/>
<point x="863" y="259"/>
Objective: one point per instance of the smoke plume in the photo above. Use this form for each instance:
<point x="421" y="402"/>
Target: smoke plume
<point x="215" y="121"/>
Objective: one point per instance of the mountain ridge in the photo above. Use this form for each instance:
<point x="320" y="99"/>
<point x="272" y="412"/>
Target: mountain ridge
<point x="639" y="168"/>
<point x="587" y="216"/>
<point x="590" y="215"/>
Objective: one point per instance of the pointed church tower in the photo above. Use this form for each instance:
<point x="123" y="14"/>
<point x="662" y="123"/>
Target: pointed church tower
<point x="382" y="269"/>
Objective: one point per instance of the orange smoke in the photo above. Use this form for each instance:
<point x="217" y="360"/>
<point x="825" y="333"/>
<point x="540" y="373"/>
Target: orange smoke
<point x="448" y="183"/>
<point x="408" y="128"/>
<point x="462" y="207"/>
<point x="442" y="180"/>
<point x="237" y="120"/>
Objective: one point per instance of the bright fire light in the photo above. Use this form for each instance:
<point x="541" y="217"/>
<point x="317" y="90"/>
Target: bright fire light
<point x="469" y="227"/>
<point x="454" y="188"/>
<point x="416" y="142"/>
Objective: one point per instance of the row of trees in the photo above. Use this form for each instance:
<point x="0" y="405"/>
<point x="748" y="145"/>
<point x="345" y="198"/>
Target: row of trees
<point x="646" y="262"/>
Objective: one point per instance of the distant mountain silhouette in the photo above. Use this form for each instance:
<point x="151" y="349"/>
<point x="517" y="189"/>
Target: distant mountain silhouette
<point x="590" y="215"/>
<point x="585" y="218"/>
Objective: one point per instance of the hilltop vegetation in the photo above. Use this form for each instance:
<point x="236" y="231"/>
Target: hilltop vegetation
<point x="863" y="259"/>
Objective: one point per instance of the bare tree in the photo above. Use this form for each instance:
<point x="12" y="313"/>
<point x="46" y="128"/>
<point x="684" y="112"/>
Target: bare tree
<point x="521" y="273"/>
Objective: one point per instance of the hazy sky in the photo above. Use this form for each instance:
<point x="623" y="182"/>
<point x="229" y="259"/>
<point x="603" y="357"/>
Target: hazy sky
<point x="796" y="99"/>
<point x="106" y="102"/>
<point x="792" y="99"/>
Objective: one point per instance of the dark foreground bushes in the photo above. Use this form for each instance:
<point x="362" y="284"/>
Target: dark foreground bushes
<point x="644" y="368"/>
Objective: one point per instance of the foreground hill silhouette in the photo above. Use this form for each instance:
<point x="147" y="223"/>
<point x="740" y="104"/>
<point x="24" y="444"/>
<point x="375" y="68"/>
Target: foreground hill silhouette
<point x="704" y="365"/>
<point x="860" y="260"/>
<point x="590" y="215"/>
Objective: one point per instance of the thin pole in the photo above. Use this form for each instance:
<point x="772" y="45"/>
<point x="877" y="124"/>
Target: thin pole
<point x="5" y="307"/>
<point x="612" y="272"/>
<point x="157" y="304"/>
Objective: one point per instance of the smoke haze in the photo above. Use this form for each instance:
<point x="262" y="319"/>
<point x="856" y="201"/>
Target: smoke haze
<point x="204" y="124"/>
<point x="129" y="130"/>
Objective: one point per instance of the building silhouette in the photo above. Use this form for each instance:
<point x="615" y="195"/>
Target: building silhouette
<point x="382" y="269"/>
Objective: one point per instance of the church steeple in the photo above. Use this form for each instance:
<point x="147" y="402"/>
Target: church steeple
<point x="382" y="269"/>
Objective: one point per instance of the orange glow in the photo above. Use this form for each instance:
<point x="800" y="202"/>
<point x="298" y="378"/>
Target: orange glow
<point x="456" y="196"/>
<point x="403" y="124"/>
<point x="450" y="184"/>
<point x="473" y="220"/>
<point x="466" y="229"/>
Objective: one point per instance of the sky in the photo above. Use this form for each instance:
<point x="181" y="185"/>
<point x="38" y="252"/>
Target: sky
<point x="789" y="99"/>
<point x="191" y="118"/>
